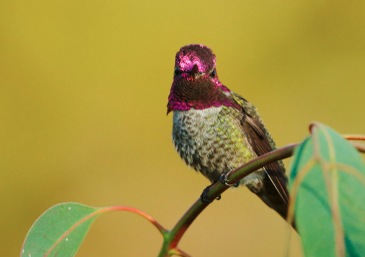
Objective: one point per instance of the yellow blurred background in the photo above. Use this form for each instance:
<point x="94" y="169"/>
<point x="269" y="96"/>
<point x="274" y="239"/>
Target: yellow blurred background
<point x="83" y="94"/>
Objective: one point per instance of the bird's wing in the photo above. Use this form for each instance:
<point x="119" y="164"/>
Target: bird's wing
<point x="262" y="143"/>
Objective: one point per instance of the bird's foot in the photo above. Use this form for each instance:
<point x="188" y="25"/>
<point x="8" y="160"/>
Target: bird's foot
<point x="223" y="179"/>
<point x="204" y="197"/>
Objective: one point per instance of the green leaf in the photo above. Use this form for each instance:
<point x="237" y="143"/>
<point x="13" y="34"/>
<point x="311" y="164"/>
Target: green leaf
<point x="329" y="191"/>
<point x="60" y="230"/>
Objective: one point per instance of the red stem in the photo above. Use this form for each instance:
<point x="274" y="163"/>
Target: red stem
<point x="354" y="137"/>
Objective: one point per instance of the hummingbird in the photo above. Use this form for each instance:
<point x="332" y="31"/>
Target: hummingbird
<point x="216" y="130"/>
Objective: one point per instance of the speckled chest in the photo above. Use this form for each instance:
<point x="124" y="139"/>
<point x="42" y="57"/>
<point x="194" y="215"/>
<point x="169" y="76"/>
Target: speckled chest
<point x="212" y="140"/>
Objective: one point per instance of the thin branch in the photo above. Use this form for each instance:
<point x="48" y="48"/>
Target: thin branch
<point x="160" y="228"/>
<point x="218" y="188"/>
<point x="354" y="137"/>
<point x="173" y="236"/>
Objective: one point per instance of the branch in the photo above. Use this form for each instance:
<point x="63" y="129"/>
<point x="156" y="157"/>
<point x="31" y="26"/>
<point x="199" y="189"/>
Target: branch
<point x="174" y="235"/>
<point x="354" y="137"/>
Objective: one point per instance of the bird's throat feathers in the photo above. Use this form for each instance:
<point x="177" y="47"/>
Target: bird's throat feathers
<point x="198" y="94"/>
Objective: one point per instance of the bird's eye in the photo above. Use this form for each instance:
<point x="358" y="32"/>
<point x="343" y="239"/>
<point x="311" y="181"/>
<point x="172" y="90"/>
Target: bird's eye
<point x="212" y="74"/>
<point x="177" y="72"/>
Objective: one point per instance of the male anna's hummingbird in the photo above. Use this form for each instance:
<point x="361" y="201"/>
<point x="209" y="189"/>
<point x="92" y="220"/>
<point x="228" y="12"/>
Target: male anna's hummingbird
<point x="216" y="130"/>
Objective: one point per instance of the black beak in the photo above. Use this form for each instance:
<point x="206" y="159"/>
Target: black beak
<point x="195" y="70"/>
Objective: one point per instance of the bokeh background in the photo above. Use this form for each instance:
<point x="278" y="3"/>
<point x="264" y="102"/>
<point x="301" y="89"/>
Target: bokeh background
<point x="83" y="94"/>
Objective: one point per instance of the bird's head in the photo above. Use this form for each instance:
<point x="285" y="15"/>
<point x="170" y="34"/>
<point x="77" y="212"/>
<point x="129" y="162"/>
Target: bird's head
<point x="196" y="84"/>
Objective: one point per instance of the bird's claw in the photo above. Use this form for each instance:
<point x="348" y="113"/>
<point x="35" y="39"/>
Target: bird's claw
<point x="223" y="179"/>
<point x="203" y="196"/>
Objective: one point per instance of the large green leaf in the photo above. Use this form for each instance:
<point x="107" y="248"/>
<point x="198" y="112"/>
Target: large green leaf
<point x="60" y="230"/>
<point x="330" y="199"/>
